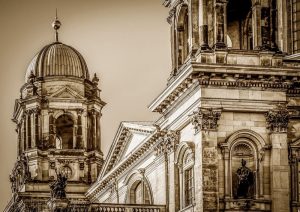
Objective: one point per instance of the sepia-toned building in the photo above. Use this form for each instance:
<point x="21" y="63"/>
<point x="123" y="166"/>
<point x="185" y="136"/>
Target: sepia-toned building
<point x="228" y="136"/>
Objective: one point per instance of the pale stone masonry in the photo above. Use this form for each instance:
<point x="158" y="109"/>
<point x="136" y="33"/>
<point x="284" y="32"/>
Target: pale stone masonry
<point x="228" y="135"/>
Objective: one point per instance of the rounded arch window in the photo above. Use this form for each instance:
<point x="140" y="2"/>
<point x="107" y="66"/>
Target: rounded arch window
<point x="140" y="193"/>
<point x="239" y="24"/>
<point x="64" y="132"/>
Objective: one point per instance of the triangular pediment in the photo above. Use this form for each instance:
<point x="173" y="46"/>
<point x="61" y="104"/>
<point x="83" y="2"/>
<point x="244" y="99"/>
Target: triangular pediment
<point x="66" y="93"/>
<point x="129" y="136"/>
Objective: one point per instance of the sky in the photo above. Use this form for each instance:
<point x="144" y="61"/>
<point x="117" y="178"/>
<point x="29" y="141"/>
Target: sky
<point x="126" y="42"/>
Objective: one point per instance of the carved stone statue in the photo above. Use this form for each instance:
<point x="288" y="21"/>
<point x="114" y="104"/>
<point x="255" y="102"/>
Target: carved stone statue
<point x="58" y="187"/>
<point x="245" y="180"/>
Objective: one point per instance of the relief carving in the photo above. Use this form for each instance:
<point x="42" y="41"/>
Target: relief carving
<point x="206" y="119"/>
<point x="278" y="119"/>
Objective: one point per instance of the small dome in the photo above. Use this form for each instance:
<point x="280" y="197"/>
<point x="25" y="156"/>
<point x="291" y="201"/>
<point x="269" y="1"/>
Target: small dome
<point x="58" y="59"/>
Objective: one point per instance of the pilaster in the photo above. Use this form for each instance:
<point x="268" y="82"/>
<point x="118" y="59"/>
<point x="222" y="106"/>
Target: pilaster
<point x="206" y="122"/>
<point x="277" y="121"/>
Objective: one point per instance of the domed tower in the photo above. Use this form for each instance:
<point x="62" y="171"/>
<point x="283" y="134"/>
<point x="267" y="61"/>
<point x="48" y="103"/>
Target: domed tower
<point x="58" y="125"/>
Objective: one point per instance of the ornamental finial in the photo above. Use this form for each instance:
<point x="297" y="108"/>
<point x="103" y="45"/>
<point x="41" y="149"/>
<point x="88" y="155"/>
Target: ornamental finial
<point x="56" y="25"/>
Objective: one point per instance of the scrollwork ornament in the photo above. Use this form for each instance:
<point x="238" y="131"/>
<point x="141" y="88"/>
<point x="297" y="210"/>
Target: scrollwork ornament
<point x="277" y="120"/>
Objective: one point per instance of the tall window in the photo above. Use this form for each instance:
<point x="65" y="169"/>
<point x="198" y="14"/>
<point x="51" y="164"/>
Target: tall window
<point x="239" y="24"/>
<point x="140" y="193"/>
<point x="64" y="132"/>
<point x="296" y="25"/>
<point x="184" y="159"/>
<point x="189" y="186"/>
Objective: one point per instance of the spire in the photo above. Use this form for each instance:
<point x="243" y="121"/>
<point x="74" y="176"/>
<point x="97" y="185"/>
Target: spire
<point x="56" y="25"/>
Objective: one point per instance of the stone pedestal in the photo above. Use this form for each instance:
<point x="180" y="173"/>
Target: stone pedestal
<point x="58" y="205"/>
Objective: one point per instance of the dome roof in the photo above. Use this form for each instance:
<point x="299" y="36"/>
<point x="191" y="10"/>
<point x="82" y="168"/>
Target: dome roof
<point x="58" y="59"/>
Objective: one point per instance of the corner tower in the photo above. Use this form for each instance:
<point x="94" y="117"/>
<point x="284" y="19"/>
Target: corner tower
<point x="58" y="125"/>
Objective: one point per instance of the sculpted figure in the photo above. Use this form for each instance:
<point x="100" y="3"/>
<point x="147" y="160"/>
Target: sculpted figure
<point x="245" y="180"/>
<point x="58" y="187"/>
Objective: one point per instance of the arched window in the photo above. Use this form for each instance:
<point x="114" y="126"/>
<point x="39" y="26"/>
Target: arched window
<point x="64" y="132"/>
<point x="139" y="191"/>
<point x="239" y="24"/>
<point x="182" y="35"/>
<point x="184" y="158"/>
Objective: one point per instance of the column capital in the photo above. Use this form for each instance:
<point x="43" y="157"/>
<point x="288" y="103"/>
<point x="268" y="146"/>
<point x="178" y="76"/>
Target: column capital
<point x="167" y="143"/>
<point x="277" y="119"/>
<point x="205" y="119"/>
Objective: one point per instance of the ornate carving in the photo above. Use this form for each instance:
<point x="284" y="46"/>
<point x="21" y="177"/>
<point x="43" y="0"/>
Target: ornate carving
<point x="58" y="187"/>
<point x="210" y="156"/>
<point x="210" y="179"/>
<point x="167" y="144"/>
<point x="206" y="119"/>
<point x="278" y="119"/>
<point x="20" y="174"/>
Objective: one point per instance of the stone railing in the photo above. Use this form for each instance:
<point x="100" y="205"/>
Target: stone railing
<point x="43" y="206"/>
<point x="126" y="208"/>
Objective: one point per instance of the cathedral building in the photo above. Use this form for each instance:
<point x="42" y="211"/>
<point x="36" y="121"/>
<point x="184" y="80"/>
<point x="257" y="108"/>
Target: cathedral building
<point x="228" y="134"/>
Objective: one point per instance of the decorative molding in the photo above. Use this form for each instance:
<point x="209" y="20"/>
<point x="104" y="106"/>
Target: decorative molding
<point x="168" y="143"/>
<point x="277" y="119"/>
<point x="205" y="119"/>
<point x="123" y="166"/>
<point x="212" y="76"/>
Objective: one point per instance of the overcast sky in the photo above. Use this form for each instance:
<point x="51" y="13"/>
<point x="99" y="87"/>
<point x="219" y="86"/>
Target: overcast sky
<point x="126" y="42"/>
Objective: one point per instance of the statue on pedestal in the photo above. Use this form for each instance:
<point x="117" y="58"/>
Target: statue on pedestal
<point x="245" y="180"/>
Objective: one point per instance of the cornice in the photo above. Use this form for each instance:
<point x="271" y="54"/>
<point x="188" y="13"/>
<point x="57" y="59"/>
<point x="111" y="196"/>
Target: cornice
<point x="231" y="76"/>
<point x="125" y="164"/>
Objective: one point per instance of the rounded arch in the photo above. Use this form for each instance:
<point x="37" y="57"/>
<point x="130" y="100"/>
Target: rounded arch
<point x="137" y="180"/>
<point x="182" y="151"/>
<point x="182" y="33"/>
<point x="246" y="134"/>
<point x="244" y="150"/>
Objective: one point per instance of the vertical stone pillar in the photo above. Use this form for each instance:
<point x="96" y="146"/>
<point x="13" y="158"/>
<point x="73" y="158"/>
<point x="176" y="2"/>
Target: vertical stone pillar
<point x="277" y="122"/>
<point x="28" y="129"/>
<point x="282" y="25"/>
<point x="94" y="130"/>
<point x="256" y="23"/>
<point x="20" y="143"/>
<point x="227" y="182"/>
<point x="24" y="131"/>
<point x="194" y="25"/>
<point x="219" y="19"/>
<point x="98" y="132"/>
<point x="79" y="142"/>
<point x="51" y="130"/>
<point x="203" y="25"/>
<point x="205" y="122"/>
<point x="36" y="139"/>
<point x="167" y="146"/>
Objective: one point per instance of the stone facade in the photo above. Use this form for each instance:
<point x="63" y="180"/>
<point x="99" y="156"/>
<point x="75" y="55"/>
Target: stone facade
<point x="228" y="135"/>
<point x="232" y="100"/>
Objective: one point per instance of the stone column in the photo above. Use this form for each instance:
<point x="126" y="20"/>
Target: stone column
<point x="203" y="25"/>
<point x="219" y="19"/>
<point x="227" y="177"/>
<point x="20" y="143"/>
<point x="94" y="130"/>
<point x="205" y="122"/>
<point x="24" y="132"/>
<point x="51" y="130"/>
<point x="79" y="142"/>
<point x="194" y="24"/>
<point x="277" y="121"/>
<point x="256" y="24"/>
<point x="98" y="132"/>
<point x="28" y="129"/>
<point x="36" y="127"/>
<point x="166" y="147"/>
